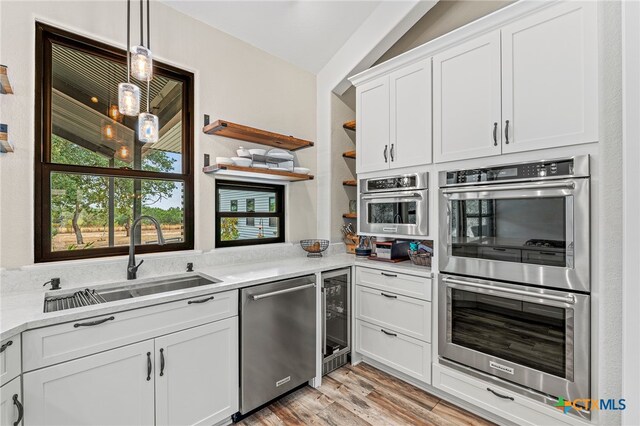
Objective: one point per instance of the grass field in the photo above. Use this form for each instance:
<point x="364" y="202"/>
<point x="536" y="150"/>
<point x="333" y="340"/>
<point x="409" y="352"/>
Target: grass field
<point x="100" y="237"/>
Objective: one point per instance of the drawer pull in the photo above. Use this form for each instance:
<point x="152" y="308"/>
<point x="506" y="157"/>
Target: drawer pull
<point x="389" y="334"/>
<point x="161" y="361"/>
<point x="390" y="296"/>
<point x="148" y="366"/>
<point x="20" y="408"/>
<point x="5" y="346"/>
<point x="499" y="395"/>
<point x="498" y="249"/>
<point x="91" y="323"/>
<point x="389" y="275"/>
<point x="200" y="301"/>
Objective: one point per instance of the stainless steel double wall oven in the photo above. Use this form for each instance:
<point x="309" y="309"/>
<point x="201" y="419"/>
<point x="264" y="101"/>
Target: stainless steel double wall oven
<point x="515" y="274"/>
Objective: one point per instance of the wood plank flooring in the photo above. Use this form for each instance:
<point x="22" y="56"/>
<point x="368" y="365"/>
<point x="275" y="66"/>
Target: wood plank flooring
<point x="362" y="396"/>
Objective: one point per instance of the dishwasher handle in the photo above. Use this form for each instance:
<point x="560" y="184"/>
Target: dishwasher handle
<point x="279" y="292"/>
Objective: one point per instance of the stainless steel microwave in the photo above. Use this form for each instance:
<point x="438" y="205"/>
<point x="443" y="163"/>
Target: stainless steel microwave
<point x="394" y="205"/>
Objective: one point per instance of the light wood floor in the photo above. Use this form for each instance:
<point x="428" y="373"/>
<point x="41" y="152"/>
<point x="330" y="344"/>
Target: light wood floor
<point x="361" y="396"/>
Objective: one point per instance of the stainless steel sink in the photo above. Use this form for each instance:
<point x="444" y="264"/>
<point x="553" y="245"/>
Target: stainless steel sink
<point x="93" y="296"/>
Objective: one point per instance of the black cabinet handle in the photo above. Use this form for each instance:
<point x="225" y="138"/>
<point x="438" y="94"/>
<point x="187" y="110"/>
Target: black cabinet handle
<point x="5" y="346"/>
<point x="389" y="334"/>
<point x="200" y="301"/>
<point x="161" y="362"/>
<point x="389" y="275"/>
<point x="91" y="323"/>
<point x="506" y="132"/>
<point x="495" y="134"/>
<point x="391" y="152"/>
<point x="498" y="249"/>
<point x="390" y="296"/>
<point x="148" y="366"/>
<point x="20" y="408"/>
<point x="385" y="153"/>
<point x="499" y="395"/>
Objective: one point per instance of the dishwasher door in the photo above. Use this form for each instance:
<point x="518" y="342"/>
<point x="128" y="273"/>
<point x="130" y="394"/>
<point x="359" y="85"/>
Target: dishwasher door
<point x="277" y="339"/>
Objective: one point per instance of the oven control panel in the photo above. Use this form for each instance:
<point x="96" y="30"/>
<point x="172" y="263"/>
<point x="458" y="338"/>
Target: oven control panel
<point x="540" y="169"/>
<point x="395" y="183"/>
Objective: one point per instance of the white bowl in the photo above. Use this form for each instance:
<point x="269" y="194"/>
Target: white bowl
<point x="260" y="166"/>
<point x="224" y="160"/>
<point x="242" y="152"/>
<point x="280" y="153"/>
<point x="301" y="170"/>
<point x="243" y="162"/>
<point x="257" y="151"/>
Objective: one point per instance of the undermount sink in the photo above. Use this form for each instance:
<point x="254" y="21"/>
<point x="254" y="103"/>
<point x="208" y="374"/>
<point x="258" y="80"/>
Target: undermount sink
<point x="90" y="296"/>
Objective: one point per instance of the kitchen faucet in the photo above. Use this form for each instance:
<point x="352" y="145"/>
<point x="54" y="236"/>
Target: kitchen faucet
<point x="132" y="268"/>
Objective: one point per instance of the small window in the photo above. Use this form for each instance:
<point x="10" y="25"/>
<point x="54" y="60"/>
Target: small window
<point x="249" y="213"/>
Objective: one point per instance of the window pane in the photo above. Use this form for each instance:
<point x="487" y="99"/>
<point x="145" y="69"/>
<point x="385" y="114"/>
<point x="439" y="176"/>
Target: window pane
<point x="248" y="228"/>
<point x="87" y="128"/>
<point x="242" y="200"/>
<point x="89" y="212"/>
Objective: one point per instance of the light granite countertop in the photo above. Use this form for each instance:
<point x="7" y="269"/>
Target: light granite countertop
<point x="23" y="310"/>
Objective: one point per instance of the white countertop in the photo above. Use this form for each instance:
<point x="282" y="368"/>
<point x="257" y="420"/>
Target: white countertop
<point x="20" y="311"/>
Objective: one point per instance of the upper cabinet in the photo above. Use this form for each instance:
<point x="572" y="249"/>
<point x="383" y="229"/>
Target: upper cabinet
<point x="394" y="119"/>
<point x="549" y="78"/>
<point x="466" y="100"/>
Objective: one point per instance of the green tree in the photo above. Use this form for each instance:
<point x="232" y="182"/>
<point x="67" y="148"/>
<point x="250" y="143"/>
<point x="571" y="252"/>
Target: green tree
<point x="229" y="229"/>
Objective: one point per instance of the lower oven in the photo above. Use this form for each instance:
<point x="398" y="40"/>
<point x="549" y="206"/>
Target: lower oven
<point x="533" y="337"/>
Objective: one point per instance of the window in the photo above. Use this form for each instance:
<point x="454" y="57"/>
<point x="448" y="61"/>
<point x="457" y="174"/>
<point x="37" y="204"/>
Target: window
<point x="92" y="174"/>
<point x="248" y="213"/>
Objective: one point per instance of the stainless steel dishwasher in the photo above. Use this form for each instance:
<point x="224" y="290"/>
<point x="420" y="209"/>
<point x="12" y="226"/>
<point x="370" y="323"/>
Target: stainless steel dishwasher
<point x="277" y="339"/>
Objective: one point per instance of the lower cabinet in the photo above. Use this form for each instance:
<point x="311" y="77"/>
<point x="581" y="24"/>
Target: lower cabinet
<point x="11" y="408"/>
<point x="188" y="377"/>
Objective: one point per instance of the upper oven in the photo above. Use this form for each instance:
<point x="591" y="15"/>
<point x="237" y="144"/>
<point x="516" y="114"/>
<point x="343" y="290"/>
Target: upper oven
<point x="526" y="223"/>
<point x="395" y="205"/>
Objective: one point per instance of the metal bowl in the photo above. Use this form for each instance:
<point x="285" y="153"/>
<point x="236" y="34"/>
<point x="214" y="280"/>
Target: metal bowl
<point x="314" y="248"/>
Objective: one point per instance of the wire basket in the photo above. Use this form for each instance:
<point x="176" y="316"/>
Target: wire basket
<point x="420" y="258"/>
<point x="314" y="248"/>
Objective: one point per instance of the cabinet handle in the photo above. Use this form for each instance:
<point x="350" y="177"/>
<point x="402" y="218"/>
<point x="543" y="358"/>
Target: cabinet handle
<point x="389" y="334"/>
<point x="506" y="132"/>
<point x="390" y="296"/>
<point x="20" y="408"/>
<point x="161" y="361"/>
<point x="499" y="395"/>
<point x="391" y="152"/>
<point x="91" y="323"/>
<point x="148" y="366"/>
<point x="498" y="249"/>
<point x="495" y="134"/>
<point x="385" y="153"/>
<point x="200" y="301"/>
<point x="5" y="346"/>
<point x="389" y="275"/>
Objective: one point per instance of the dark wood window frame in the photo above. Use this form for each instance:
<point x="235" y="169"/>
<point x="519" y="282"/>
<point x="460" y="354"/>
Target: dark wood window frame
<point x="251" y="186"/>
<point x="45" y="36"/>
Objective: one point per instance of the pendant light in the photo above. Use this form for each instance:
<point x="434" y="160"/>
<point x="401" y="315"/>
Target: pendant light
<point x="141" y="56"/>
<point x="128" y="94"/>
<point x="148" y="123"/>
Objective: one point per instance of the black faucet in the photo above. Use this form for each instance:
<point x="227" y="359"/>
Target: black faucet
<point x="132" y="268"/>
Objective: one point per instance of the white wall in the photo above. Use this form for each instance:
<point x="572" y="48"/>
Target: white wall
<point x="233" y="81"/>
<point x="342" y="168"/>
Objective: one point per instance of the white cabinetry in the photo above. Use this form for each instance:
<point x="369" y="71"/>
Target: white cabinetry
<point x="466" y="100"/>
<point x="372" y="129"/>
<point x="11" y="408"/>
<point x="10" y="362"/>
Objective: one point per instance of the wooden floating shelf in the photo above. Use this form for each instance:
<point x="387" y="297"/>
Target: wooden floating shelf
<point x="350" y="215"/>
<point x="5" y="86"/>
<point x="350" y="125"/>
<point x="230" y="170"/>
<point x="349" y="154"/>
<point x="250" y="134"/>
<point x="351" y="182"/>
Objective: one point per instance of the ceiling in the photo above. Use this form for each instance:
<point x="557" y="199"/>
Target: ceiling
<point x="306" y="33"/>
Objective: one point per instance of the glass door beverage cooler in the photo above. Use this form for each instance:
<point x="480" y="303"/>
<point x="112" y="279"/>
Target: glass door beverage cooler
<point x="336" y="328"/>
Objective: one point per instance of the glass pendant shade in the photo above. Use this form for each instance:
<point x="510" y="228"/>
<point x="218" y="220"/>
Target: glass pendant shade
<point x="148" y="128"/>
<point x="141" y="63"/>
<point x="114" y="113"/>
<point x="122" y="153"/>
<point x="128" y="99"/>
<point x="108" y="132"/>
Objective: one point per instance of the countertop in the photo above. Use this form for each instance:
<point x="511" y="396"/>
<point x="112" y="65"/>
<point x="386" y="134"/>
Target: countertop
<point x="23" y="310"/>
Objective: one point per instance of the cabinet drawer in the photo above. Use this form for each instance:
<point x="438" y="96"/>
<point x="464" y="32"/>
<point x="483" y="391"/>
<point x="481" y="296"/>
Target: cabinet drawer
<point x="9" y="359"/>
<point x="403" y="353"/>
<point x="405" y="315"/>
<point x="408" y="285"/>
<point x="58" y="343"/>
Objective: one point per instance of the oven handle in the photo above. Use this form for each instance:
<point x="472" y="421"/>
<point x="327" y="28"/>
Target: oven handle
<point x="372" y="197"/>
<point x="546" y="185"/>
<point x="565" y="299"/>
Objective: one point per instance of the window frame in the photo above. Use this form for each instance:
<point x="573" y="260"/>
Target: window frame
<point x="46" y="35"/>
<point x="279" y="191"/>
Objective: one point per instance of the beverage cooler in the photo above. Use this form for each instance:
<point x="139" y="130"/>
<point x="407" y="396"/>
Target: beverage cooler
<point x="336" y="327"/>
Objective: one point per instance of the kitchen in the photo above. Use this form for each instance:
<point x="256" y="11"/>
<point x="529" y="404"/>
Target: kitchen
<point x="438" y="130"/>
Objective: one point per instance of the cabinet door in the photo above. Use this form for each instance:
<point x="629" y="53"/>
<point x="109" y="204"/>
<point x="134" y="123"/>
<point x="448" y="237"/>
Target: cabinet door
<point x="10" y="407"/>
<point x="199" y="382"/>
<point x="110" y="388"/>
<point x="372" y="130"/>
<point x="410" y="91"/>
<point x="466" y="100"/>
<point x="550" y="78"/>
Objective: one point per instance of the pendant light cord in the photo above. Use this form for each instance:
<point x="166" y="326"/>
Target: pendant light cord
<point x="148" y="90"/>
<point x="128" y="41"/>
<point x="141" y="23"/>
<point x="148" y="26"/>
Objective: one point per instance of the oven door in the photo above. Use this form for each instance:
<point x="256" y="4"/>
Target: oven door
<point x="401" y="213"/>
<point x="534" y="233"/>
<point x="533" y="337"/>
